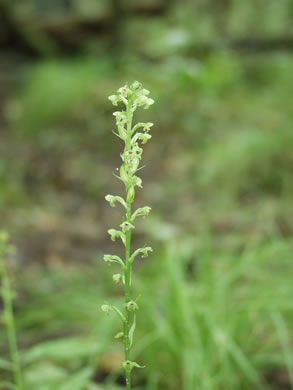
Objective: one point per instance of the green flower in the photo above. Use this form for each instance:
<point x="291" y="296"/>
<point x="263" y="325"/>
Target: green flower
<point x="106" y="309"/>
<point x="126" y="226"/>
<point x="132" y="306"/>
<point x="114" y="99"/>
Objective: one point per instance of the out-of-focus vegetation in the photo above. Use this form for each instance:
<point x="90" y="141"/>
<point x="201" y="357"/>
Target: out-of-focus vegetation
<point x="217" y="294"/>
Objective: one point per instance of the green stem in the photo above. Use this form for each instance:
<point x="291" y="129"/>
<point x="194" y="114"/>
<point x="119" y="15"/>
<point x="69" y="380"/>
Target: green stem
<point x="10" y="326"/>
<point x="128" y="266"/>
<point x="127" y="276"/>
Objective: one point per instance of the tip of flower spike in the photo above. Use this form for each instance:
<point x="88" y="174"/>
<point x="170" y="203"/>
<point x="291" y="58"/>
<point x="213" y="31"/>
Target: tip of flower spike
<point x="117" y="278"/>
<point x="136" y="85"/>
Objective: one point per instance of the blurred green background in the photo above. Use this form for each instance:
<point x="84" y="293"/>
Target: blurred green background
<point x="217" y="294"/>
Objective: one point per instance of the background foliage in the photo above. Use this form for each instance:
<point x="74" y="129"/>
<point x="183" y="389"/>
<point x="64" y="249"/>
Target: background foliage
<point x="216" y="296"/>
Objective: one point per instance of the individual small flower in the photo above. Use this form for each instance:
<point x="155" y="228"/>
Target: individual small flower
<point x="133" y="164"/>
<point x="141" y="100"/>
<point x="137" y="182"/>
<point x="145" y="91"/>
<point x="136" y="85"/>
<point x="117" y="278"/>
<point x="147" y="126"/>
<point x="129" y="365"/>
<point x="136" y="151"/>
<point x="107" y="258"/>
<point x="116" y="234"/>
<point x="120" y="117"/>
<point x="124" y="91"/>
<point x="113" y="259"/>
<point x="132" y="306"/>
<point x="113" y="199"/>
<point x="106" y="309"/>
<point x="114" y="99"/>
<point x="142" y="211"/>
<point x="148" y="103"/>
<point x="126" y="226"/>
<point x="144" y="137"/>
<point x="145" y="251"/>
<point x="119" y="335"/>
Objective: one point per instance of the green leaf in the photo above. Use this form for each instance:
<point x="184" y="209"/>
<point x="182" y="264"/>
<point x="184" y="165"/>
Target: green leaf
<point x="284" y="337"/>
<point x="79" y="380"/>
<point x="132" y="329"/>
<point x="44" y="375"/>
<point x="61" y="350"/>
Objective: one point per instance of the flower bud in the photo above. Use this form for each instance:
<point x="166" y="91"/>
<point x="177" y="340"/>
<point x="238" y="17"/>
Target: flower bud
<point x="130" y="195"/>
<point x="119" y="335"/>
<point x="123" y="173"/>
<point x="136" y="85"/>
<point x="117" y="278"/>
<point x="106" y="309"/>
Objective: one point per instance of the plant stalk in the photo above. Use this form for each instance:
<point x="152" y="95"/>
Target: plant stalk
<point x="10" y="326"/>
<point x="132" y="97"/>
<point x="128" y="265"/>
